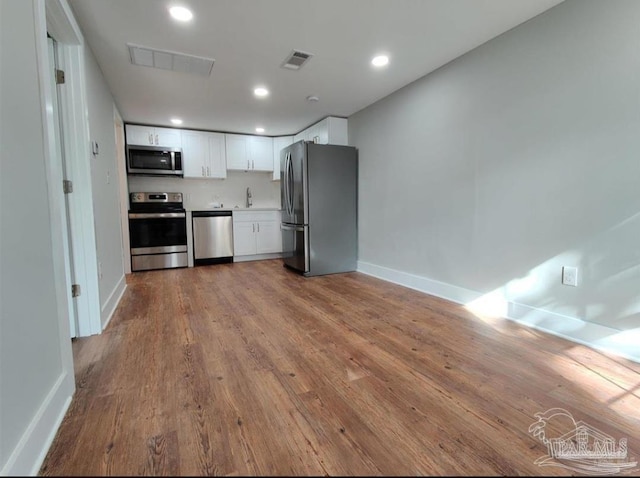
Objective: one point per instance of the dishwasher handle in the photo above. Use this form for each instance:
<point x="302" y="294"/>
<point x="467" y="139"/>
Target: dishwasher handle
<point x="210" y="213"/>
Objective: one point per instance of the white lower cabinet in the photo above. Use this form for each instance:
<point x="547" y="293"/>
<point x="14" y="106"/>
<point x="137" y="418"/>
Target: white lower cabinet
<point x="256" y="232"/>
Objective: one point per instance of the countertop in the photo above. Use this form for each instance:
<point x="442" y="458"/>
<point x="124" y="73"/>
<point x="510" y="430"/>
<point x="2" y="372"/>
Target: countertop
<point x="191" y="209"/>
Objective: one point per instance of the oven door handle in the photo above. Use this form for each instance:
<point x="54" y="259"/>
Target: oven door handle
<point x="156" y="215"/>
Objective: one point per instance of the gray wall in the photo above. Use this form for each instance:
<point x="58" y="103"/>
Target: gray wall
<point x="33" y="359"/>
<point x="516" y="159"/>
<point x="104" y="183"/>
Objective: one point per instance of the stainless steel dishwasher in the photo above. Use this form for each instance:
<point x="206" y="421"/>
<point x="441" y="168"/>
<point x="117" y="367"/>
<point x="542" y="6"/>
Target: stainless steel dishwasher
<point x="212" y="237"/>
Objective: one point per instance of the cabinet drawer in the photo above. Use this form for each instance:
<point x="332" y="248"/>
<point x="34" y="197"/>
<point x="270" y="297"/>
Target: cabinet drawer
<point x="256" y="216"/>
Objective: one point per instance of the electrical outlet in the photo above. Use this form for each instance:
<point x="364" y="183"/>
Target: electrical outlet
<point x="570" y="276"/>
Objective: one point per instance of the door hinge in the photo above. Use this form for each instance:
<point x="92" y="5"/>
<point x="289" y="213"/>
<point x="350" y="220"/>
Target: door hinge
<point x="75" y="290"/>
<point x="67" y="186"/>
<point x="59" y="77"/>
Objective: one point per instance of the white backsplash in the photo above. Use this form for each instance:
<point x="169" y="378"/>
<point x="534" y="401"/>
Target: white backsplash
<point x="202" y="193"/>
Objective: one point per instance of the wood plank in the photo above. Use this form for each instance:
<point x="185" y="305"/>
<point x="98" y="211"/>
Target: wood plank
<point x="250" y="369"/>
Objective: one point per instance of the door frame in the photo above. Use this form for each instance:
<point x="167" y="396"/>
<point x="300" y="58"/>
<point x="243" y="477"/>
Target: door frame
<point x="61" y="25"/>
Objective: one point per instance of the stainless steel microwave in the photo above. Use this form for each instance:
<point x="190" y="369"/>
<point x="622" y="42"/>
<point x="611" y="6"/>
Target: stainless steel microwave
<point x="154" y="160"/>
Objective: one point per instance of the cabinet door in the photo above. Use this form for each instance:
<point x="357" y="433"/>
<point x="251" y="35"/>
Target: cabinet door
<point x="244" y="238"/>
<point x="321" y="132"/>
<point x="195" y="154"/>
<point x="268" y="237"/>
<point x="217" y="164"/>
<point x="139" y="135"/>
<point x="278" y="144"/>
<point x="337" y="131"/>
<point x="171" y="138"/>
<point x="299" y="137"/>
<point x="237" y="155"/>
<point x="260" y="153"/>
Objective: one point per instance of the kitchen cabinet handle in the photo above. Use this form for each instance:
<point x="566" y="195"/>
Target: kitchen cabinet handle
<point x="156" y="139"/>
<point x="253" y="227"/>
<point x="253" y="164"/>
<point x="150" y="138"/>
<point x="208" y="171"/>
<point x="258" y="227"/>
<point x="202" y="171"/>
<point x="248" y="164"/>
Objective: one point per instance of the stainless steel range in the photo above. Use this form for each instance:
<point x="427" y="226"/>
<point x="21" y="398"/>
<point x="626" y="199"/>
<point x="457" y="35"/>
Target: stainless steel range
<point x="157" y="231"/>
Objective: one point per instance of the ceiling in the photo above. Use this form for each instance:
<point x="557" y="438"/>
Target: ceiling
<point x="249" y="40"/>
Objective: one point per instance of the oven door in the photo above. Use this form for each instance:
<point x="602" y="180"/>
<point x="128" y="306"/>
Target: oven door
<point x="157" y="233"/>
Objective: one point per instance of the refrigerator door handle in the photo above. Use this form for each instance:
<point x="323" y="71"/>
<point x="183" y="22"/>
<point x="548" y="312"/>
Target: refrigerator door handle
<point x="291" y="185"/>
<point x="285" y="183"/>
<point x="287" y="227"/>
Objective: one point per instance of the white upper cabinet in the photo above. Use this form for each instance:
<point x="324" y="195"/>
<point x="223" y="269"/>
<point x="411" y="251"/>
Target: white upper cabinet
<point x="203" y="155"/>
<point x="331" y="130"/>
<point x="249" y="153"/>
<point x="237" y="152"/>
<point x="151" y="136"/>
<point x="195" y="154"/>
<point x="260" y="153"/>
<point x="278" y="144"/>
<point x="217" y="155"/>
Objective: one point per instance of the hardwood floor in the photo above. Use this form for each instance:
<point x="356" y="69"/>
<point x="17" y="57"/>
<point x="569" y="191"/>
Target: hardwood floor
<point x="250" y="369"/>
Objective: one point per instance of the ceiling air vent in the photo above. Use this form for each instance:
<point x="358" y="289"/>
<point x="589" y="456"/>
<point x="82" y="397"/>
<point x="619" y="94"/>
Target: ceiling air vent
<point x="296" y="59"/>
<point x="169" y="60"/>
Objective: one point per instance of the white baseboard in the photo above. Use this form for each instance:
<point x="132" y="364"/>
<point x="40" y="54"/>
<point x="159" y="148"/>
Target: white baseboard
<point x="600" y="337"/>
<point x="112" y="302"/>
<point x="28" y="455"/>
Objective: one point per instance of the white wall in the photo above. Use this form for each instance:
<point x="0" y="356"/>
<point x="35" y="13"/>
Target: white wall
<point x="520" y="157"/>
<point x="105" y="188"/>
<point x="36" y="369"/>
<point x="200" y="193"/>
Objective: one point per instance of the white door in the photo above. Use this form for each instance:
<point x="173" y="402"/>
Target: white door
<point x="57" y="117"/>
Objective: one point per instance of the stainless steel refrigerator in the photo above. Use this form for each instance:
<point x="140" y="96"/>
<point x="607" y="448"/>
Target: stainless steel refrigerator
<point x="319" y="190"/>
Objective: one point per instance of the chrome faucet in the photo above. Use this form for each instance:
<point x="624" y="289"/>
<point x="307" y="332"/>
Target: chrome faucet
<point x="249" y="199"/>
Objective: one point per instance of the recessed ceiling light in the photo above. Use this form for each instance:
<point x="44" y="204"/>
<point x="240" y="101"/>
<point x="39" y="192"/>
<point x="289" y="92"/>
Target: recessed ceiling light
<point x="313" y="98"/>
<point x="176" y="120"/>
<point x="259" y="130"/>
<point x="261" y="91"/>
<point x="181" y="14"/>
<point x="380" y="60"/>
